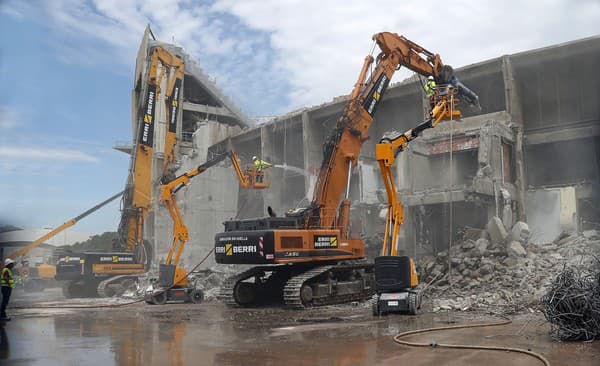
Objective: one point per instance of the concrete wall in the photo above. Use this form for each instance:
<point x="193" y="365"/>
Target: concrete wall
<point x="530" y="102"/>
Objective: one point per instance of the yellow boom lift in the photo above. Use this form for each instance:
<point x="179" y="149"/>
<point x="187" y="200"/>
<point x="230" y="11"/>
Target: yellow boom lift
<point x="36" y="278"/>
<point x="172" y="280"/>
<point x="395" y="276"/>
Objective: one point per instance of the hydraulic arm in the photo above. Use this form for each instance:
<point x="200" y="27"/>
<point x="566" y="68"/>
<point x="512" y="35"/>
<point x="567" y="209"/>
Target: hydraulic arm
<point x="138" y="194"/>
<point x="168" y="190"/>
<point x="343" y="146"/>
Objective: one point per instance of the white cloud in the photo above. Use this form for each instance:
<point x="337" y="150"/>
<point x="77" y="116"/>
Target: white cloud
<point x="31" y="153"/>
<point x="8" y="117"/>
<point x="15" y="10"/>
<point x="314" y="48"/>
<point x="321" y="45"/>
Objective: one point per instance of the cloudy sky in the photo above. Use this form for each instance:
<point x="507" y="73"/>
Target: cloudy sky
<point x="66" y="70"/>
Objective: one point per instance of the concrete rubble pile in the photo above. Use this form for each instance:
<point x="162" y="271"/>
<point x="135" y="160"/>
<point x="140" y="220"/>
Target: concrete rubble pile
<point x="501" y="271"/>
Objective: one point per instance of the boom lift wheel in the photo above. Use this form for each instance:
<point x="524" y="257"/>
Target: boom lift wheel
<point x="197" y="296"/>
<point x="159" y="298"/>
<point x="412" y="303"/>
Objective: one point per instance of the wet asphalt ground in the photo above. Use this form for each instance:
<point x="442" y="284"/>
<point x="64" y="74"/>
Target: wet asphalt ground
<point x="213" y="334"/>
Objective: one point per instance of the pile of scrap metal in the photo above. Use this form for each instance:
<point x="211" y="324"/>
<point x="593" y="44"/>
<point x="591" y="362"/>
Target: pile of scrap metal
<point x="572" y="304"/>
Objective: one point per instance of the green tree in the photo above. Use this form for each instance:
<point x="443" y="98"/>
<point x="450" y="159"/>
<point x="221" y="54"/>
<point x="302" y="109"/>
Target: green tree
<point x="102" y="242"/>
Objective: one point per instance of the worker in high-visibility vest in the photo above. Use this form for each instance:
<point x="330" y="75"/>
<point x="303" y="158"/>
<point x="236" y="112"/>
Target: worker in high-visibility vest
<point x="8" y="283"/>
<point x="259" y="166"/>
<point x="430" y="91"/>
<point x="429" y="88"/>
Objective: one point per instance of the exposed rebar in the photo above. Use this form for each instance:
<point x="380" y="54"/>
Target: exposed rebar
<point x="572" y="305"/>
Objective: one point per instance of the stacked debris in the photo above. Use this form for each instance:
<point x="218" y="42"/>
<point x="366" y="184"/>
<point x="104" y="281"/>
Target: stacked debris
<point x="572" y="305"/>
<point x="501" y="272"/>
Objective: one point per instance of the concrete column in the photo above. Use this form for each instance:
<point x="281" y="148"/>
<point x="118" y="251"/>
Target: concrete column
<point x="511" y="94"/>
<point x="312" y="150"/>
<point x="272" y="196"/>
<point x="180" y="118"/>
<point x="520" y="182"/>
<point x="307" y="140"/>
<point x="513" y="107"/>
<point x="403" y="166"/>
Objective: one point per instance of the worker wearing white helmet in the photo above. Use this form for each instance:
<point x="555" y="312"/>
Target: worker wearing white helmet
<point x="8" y="283"/>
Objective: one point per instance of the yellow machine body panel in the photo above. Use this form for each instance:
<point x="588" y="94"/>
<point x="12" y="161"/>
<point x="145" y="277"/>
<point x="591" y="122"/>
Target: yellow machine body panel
<point x="118" y="269"/>
<point x="180" y="277"/>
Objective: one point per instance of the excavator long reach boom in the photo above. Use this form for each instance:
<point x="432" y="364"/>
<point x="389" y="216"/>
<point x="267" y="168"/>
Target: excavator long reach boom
<point x="343" y="146"/>
<point x="38" y="276"/>
<point x="90" y="273"/>
<point x="164" y="65"/>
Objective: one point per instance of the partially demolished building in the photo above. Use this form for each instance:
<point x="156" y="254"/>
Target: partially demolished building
<point x="532" y="153"/>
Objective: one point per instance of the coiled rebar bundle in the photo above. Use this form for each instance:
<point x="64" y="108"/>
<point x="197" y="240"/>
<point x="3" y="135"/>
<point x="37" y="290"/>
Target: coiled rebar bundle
<point x="572" y="305"/>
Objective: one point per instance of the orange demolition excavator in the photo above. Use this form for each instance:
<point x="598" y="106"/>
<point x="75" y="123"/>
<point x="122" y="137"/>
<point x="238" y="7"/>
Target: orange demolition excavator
<point x="308" y="257"/>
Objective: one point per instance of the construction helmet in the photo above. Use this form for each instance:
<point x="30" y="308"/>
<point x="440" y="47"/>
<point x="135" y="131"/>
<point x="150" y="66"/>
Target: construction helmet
<point x="254" y="157"/>
<point x="8" y="261"/>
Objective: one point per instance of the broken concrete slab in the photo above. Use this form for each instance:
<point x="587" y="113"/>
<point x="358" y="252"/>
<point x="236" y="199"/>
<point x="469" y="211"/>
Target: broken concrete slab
<point x="496" y="229"/>
<point x="520" y="232"/>
<point x="481" y="246"/>
<point x="515" y="249"/>
<point x="474" y="234"/>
